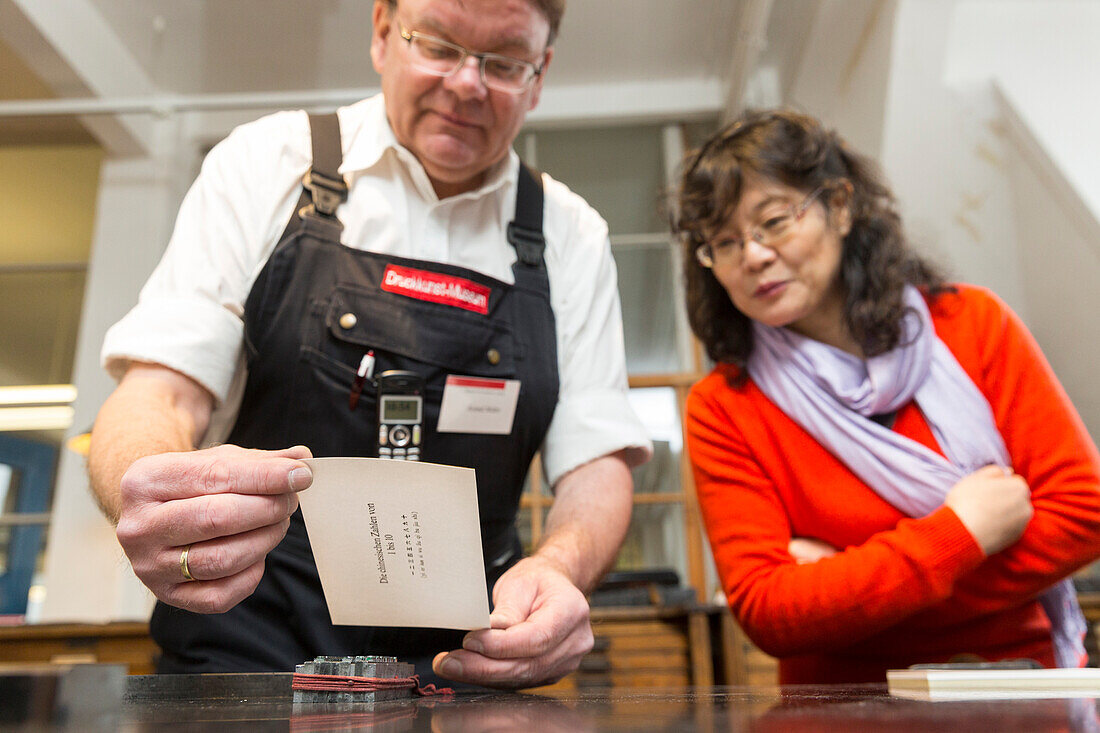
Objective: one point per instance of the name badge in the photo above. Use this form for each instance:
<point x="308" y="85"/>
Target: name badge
<point x="478" y="405"/>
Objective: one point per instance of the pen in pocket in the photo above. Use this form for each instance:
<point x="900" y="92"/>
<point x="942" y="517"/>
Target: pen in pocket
<point x="365" y="372"/>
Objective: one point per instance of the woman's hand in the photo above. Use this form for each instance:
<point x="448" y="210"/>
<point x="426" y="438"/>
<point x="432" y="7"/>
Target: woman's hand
<point x="806" y="550"/>
<point x="994" y="504"/>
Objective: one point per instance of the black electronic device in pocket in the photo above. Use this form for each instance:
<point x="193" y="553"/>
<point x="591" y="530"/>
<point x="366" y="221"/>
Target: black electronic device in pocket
<point x="400" y="414"/>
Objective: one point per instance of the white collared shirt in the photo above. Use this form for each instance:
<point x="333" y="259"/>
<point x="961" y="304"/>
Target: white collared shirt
<point x="189" y="314"/>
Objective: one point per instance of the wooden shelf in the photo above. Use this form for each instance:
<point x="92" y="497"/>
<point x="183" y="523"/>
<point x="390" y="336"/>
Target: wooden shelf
<point x="675" y="379"/>
<point x="122" y="642"/>
<point x="539" y="503"/>
<point x="655" y="646"/>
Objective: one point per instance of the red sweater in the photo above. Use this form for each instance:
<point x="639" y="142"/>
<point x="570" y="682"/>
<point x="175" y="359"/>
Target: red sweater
<point x="900" y="590"/>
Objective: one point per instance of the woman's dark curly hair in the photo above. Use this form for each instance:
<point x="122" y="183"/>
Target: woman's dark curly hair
<point x="796" y="150"/>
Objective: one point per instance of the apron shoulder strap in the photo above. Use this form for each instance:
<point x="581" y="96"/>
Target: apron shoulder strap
<point x="525" y="230"/>
<point x="323" y="180"/>
<point x="323" y="188"/>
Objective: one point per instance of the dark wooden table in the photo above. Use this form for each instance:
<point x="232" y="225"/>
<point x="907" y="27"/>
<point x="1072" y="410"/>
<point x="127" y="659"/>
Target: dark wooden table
<point x="263" y="703"/>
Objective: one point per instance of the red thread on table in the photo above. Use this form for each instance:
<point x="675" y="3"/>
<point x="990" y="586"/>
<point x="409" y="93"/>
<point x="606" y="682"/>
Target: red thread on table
<point x="343" y="683"/>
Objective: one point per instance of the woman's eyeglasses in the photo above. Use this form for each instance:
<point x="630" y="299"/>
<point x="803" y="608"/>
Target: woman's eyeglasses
<point x="773" y="228"/>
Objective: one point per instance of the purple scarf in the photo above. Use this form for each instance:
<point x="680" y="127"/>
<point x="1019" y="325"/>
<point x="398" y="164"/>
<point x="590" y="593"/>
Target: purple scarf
<point x="830" y="393"/>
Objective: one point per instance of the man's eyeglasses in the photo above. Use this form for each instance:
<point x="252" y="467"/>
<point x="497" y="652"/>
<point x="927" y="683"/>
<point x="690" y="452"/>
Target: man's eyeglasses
<point x="772" y="229"/>
<point x="443" y="58"/>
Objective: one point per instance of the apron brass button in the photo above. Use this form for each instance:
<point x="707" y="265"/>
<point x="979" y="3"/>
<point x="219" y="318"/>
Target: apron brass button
<point x="494" y="357"/>
<point x="348" y="321"/>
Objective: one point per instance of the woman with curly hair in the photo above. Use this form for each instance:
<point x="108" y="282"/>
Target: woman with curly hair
<point x="888" y="469"/>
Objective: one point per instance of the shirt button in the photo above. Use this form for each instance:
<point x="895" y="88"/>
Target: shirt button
<point x="348" y="321"/>
<point x="493" y="356"/>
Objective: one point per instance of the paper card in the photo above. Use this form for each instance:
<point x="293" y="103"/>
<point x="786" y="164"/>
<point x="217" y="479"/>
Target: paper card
<point x="397" y="543"/>
<point x="992" y="684"/>
<point x="478" y="405"/>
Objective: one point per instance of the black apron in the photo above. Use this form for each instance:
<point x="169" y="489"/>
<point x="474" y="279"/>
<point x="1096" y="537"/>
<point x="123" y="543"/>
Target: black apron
<point x="303" y="352"/>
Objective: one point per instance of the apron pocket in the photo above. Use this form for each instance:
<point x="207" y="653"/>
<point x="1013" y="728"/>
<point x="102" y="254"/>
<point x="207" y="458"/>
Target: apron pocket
<point x="408" y="334"/>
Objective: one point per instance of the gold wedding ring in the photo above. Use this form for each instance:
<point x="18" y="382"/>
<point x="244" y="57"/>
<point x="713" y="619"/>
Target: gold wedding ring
<point x="183" y="564"/>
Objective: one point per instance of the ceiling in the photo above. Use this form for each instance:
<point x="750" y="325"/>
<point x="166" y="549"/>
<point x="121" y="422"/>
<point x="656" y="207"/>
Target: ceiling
<point x="17" y="81"/>
<point x="616" y="60"/>
<point x="204" y="46"/>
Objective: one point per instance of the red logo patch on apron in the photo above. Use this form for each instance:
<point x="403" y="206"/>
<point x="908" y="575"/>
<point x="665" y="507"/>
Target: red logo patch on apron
<point x="437" y="288"/>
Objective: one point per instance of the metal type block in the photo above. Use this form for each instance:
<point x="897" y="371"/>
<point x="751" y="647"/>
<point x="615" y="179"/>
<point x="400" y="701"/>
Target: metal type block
<point x="361" y="666"/>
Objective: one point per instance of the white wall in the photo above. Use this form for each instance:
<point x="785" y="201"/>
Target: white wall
<point x="1021" y="72"/>
<point x="1041" y="61"/>
<point x="875" y="71"/>
<point x="988" y="134"/>
<point x="845" y="69"/>
<point x="1044" y="57"/>
<point x="1061" y="259"/>
<point x="944" y="150"/>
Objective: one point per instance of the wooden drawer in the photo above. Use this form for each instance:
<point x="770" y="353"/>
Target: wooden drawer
<point x="121" y="643"/>
<point x="651" y="647"/>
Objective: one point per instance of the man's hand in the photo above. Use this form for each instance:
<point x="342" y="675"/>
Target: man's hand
<point x="538" y="631"/>
<point x="227" y="506"/>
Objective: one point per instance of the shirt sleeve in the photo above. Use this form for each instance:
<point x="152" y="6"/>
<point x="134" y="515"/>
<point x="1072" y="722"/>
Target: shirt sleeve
<point x="593" y="416"/>
<point x="1049" y="446"/>
<point x="788" y="608"/>
<point x="189" y="314"/>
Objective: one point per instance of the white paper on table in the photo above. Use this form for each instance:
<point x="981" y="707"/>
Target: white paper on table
<point x="397" y="543"/>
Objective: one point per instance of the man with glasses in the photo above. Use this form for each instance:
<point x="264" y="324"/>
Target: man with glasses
<point x="419" y="242"/>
